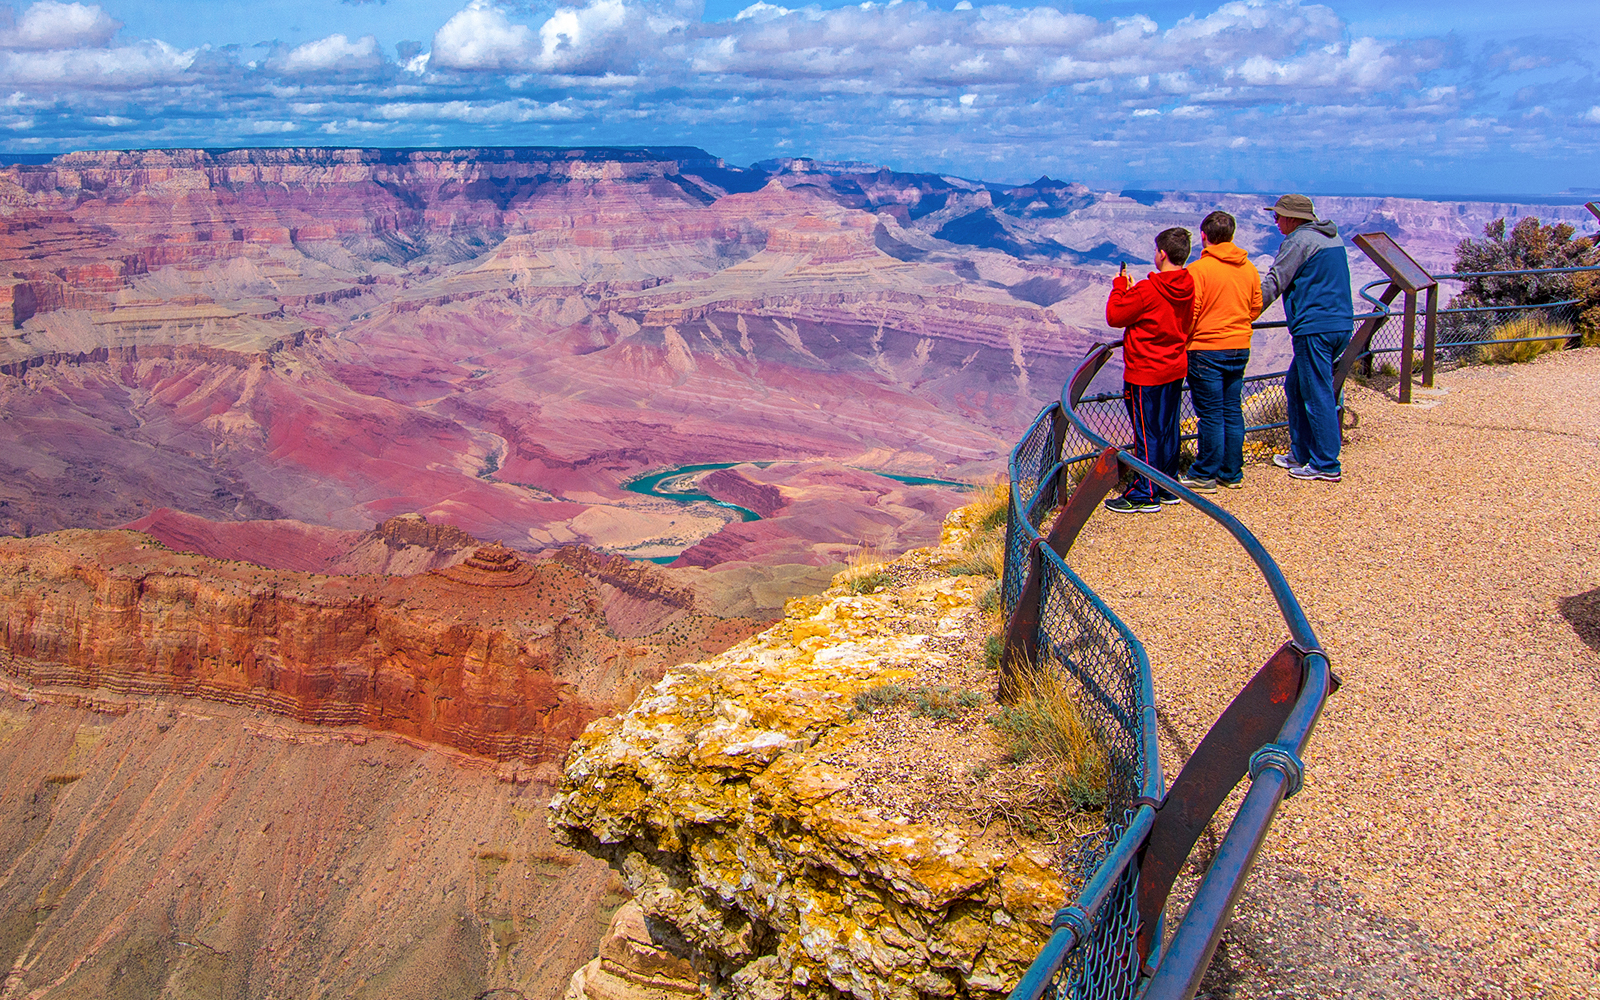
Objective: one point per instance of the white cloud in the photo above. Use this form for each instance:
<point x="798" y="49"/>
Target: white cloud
<point x="335" y="53"/>
<point x="353" y="125"/>
<point x="138" y="65"/>
<point x="902" y="81"/>
<point x="602" y="36"/>
<point x="481" y="37"/>
<point x="487" y="112"/>
<point x="50" y="25"/>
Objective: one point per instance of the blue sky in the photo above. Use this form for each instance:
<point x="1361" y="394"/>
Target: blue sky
<point x="1470" y="97"/>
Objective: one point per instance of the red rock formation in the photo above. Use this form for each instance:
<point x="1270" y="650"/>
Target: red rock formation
<point x="512" y="669"/>
<point x="729" y="486"/>
<point x="288" y="545"/>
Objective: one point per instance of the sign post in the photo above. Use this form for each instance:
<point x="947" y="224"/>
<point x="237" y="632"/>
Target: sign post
<point x="1408" y="277"/>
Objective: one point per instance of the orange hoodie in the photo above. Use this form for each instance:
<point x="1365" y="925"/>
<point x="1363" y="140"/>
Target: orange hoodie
<point x="1227" y="298"/>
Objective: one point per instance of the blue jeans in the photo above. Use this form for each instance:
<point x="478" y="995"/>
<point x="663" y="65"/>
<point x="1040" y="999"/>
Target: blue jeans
<point x="1216" y="383"/>
<point x="1313" y="412"/>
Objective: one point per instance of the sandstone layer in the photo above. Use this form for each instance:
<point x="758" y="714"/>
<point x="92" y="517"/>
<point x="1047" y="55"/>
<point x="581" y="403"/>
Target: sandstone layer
<point x="492" y="655"/>
<point x="638" y="960"/>
<point x="741" y="802"/>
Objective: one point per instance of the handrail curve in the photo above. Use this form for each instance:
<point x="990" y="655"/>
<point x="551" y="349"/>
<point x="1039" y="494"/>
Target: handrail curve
<point x="1094" y="936"/>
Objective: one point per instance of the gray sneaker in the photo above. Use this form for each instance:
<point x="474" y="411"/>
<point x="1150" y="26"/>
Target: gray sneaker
<point x="1283" y="461"/>
<point x="1199" y="485"/>
<point x="1237" y="484"/>
<point x="1307" y="472"/>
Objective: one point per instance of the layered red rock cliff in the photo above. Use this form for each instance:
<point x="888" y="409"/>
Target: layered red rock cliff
<point x="494" y="656"/>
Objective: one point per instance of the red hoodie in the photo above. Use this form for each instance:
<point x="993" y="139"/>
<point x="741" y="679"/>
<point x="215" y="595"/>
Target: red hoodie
<point x="1157" y="315"/>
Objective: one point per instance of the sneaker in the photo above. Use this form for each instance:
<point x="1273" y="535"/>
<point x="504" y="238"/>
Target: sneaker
<point x="1307" y="472"/>
<point x="1165" y="497"/>
<point x="1237" y="484"/>
<point x="1283" y="461"/>
<point x="1199" y="485"/>
<point x="1124" y="505"/>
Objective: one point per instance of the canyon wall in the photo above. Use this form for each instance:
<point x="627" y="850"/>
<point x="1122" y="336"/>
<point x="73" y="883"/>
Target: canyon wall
<point x="187" y="850"/>
<point x="494" y="655"/>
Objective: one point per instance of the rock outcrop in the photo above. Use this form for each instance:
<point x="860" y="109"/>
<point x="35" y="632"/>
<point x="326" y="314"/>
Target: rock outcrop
<point x="635" y="963"/>
<point x="495" y="656"/>
<point x="744" y="802"/>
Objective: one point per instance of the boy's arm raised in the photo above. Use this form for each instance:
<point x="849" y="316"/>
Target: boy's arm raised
<point x="1124" y="305"/>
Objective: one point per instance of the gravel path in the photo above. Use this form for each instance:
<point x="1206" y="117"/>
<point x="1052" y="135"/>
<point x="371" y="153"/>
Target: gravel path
<point x="1447" y="842"/>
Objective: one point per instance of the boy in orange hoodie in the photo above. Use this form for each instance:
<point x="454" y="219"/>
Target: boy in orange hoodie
<point x="1156" y="315"/>
<point x="1227" y="299"/>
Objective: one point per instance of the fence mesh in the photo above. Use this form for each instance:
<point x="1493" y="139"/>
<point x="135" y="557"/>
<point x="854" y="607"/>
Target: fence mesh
<point x="1080" y="638"/>
<point x="1462" y="333"/>
<point x="1266" y="416"/>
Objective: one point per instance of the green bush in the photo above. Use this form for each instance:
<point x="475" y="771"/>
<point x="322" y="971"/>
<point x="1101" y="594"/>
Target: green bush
<point x="1530" y="244"/>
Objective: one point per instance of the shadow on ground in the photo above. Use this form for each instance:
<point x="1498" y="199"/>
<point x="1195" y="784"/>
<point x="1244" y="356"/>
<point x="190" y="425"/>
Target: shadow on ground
<point x="1582" y="612"/>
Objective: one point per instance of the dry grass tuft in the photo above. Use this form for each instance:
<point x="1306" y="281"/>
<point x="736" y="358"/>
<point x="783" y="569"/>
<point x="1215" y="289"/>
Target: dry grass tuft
<point x="988" y="506"/>
<point x="1046" y="724"/>
<point x="1521" y="329"/>
<point x="864" y="571"/>
<point x="986" y="556"/>
<point x="985" y="553"/>
<point x="1053" y="779"/>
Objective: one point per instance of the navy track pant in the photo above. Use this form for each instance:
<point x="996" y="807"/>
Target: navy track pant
<point x="1153" y="411"/>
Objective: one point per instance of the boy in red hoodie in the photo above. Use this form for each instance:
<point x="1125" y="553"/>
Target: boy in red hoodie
<point x="1157" y="315"/>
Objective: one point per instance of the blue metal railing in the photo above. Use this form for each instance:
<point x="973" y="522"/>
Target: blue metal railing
<point x="1102" y="943"/>
<point x="1463" y="331"/>
<point x="1092" y="951"/>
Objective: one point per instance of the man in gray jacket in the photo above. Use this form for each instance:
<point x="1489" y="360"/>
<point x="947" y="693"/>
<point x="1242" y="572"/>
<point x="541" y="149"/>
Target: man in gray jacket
<point x="1312" y="273"/>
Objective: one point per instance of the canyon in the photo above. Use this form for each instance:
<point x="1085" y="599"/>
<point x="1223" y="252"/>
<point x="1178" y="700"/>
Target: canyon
<point x="499" y="339"/>
<point x="319" y="552"/>
<point x="217" y="776"/>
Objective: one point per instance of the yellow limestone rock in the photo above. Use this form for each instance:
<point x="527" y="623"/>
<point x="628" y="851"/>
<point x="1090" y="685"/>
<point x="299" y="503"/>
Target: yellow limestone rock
<point x="712" y="796"/>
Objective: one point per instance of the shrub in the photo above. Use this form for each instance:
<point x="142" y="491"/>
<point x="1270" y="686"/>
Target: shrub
<point x="993" y="646"/>
<point x="942" y="701"/>
<point x="864" y="571"/>
<point x="867" y="584"/>
<point x="882" y="696"/>
<point x="1046" y="725"/>
<point x="1531" y="244"/>
<point x="1520" y="330"/>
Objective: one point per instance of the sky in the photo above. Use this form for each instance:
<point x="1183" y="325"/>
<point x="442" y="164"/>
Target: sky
<point x="1472" y="97"/>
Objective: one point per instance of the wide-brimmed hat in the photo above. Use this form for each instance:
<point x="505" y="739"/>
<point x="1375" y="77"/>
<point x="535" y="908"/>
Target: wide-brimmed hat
<point x="1294" y="206"/>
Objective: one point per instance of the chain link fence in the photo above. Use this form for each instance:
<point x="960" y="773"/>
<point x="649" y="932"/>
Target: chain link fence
<point x="1085" y="645"/>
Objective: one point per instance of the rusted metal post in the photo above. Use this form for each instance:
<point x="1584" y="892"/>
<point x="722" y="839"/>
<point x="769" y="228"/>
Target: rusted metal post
<point x="1408" y="344"/>
<point x="1430" y="333"/>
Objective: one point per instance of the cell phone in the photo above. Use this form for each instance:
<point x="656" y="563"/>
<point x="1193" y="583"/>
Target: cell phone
<point x="1124" y="269"/>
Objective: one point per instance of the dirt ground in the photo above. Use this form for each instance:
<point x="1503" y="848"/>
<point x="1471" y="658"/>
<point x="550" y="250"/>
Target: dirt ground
<point x="1447" y="841"/>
